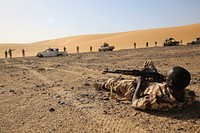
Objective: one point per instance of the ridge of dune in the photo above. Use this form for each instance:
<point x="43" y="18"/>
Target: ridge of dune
<point x="121" y="40"/>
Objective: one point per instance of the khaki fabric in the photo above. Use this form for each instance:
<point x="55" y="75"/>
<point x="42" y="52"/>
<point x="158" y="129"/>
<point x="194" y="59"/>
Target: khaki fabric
<point x="156" y="96"/>
<point x="123" y="88"/>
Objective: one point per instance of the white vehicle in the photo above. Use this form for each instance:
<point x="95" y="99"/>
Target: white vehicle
<point x="51" y="52"/>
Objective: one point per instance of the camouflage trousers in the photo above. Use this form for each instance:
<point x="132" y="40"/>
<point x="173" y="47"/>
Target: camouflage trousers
<point x="120" y="88"/>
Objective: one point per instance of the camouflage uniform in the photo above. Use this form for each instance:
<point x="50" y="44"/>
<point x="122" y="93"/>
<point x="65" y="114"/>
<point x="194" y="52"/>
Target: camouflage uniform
<point x="156" y="96"/>
<point x="123" y="88"/>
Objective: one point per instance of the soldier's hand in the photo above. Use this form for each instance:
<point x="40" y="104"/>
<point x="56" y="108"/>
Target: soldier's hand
<point x="149" y="67"/>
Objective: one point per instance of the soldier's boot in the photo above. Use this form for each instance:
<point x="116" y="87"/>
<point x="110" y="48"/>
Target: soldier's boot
<point x="99" y="87"/>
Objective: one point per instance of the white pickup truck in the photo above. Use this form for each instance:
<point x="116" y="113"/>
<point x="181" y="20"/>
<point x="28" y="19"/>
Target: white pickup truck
<point x="51" y="52"/>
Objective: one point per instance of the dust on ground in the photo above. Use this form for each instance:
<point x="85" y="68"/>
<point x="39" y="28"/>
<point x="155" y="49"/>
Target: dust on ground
<point x="56" y="94"/>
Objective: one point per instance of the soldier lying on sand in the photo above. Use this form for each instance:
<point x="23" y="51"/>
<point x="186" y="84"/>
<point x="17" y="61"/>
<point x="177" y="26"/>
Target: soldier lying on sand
<point x="170" y="95"/>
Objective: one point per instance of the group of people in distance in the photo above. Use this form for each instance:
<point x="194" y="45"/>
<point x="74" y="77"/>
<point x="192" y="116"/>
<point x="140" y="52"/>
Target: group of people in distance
<point x="9" y="52"/>
<point x="77" y="49"/>
<point x="147" y="44"/>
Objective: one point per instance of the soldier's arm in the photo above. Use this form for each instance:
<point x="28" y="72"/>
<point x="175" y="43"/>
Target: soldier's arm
<point x="139" y="88"/>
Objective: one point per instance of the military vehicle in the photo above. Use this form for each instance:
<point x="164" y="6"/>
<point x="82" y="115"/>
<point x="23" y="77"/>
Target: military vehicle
<point x="106" y="47"/>
<point x="51" y="52"/>
<point x="170" y="42"/>
<point x="195" y="41"/>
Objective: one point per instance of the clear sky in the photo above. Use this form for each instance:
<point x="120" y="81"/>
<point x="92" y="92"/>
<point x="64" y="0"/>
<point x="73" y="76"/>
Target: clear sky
<point x="24" y="21"/>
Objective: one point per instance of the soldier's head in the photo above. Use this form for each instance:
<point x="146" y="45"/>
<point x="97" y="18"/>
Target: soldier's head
<point x="178" y="78"/>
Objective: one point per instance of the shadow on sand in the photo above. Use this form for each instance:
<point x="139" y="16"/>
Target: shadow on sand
<point x="190" y="112"/>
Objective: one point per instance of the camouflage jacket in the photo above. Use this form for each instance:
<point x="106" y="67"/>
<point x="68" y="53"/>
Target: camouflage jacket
<point x="157" y="96"/>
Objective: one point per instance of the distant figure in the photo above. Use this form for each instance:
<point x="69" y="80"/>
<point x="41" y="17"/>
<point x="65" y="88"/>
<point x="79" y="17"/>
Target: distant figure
<point x="10" y="52"/>
<point x="6" y="54"/>
<point x="147" y="44"/>
<point x="77" y="48"/>
<point x="156" y="44"/>
<point x="90" y="48"/>
<point x="64" y="49"/>
<point x="23" y="52"/>
<point x="181" y="41"/>
<point x="50" y="49"/>
<point x="134" y="45"/>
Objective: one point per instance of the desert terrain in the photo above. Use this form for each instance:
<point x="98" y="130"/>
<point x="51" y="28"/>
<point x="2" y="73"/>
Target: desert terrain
<point x="121" y="40"/>
<point x="55" y="94"/>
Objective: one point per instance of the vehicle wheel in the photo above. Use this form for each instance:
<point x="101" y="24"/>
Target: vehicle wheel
<point x="60" y="55"/>
<point x="40" y="56"/>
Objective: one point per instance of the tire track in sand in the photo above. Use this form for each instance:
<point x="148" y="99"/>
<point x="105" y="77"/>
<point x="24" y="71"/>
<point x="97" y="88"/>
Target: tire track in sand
<point x="93" y="113"/>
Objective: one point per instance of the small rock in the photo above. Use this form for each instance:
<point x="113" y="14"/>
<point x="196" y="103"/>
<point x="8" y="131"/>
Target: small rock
<point x="180" y="128"/>
<point x="12" y="91"/>
<point x="37" y="86"/>
<point x="86" y="84"/>
<point x="105" y="112"/>
<point x="84" y="95"/>
<point x="106" y="98"/>
<point x="57" y="96"/>
<point x="41" y="69"/>
<point x="44" y="92"/>
<point x="58" y="85"/>
<point x="51" y="109"/>
<point x="187" y="63"/>
<point x="2" y="86"/>
<point x="72" y="87"/>
<point x="136" y="113"/>
<point x="61" y="103"/>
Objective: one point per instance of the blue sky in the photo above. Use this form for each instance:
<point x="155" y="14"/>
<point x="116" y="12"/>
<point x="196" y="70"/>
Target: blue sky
<point x="24" y="21"/>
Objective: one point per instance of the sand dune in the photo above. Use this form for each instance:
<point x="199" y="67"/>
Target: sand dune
<point x="123" y="40"/>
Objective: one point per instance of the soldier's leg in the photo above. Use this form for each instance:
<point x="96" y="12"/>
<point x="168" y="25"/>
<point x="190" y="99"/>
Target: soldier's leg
<point x="120" y="86"/>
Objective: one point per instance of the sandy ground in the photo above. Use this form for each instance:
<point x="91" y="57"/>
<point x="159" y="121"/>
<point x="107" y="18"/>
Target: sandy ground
<point x="56" y="94"/>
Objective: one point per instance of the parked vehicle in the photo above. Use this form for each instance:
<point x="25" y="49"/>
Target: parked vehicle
<point x="170" y="42"/>
<point x="106" y="47"/>
<point x="195" y="41"/>
<point x="51" y="52"/>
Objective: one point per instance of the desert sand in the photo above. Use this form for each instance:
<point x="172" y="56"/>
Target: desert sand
<point x="56" y="94"/>
<point x="123" y="40"/>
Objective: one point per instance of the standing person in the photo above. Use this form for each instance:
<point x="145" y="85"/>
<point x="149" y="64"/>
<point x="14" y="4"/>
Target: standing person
<point x="23" y="52"/>
<point x="147" y="44"/>
<point x="6" y="54"/>
<point x="134" y="45"/>
<point x="156" y="43"/>
<point x="90" y="48"/>
<point x="77" y="48"/>
<point x="10" y="52"/>
<point x="64" y="49"/>
<point x="181" y="42"/>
